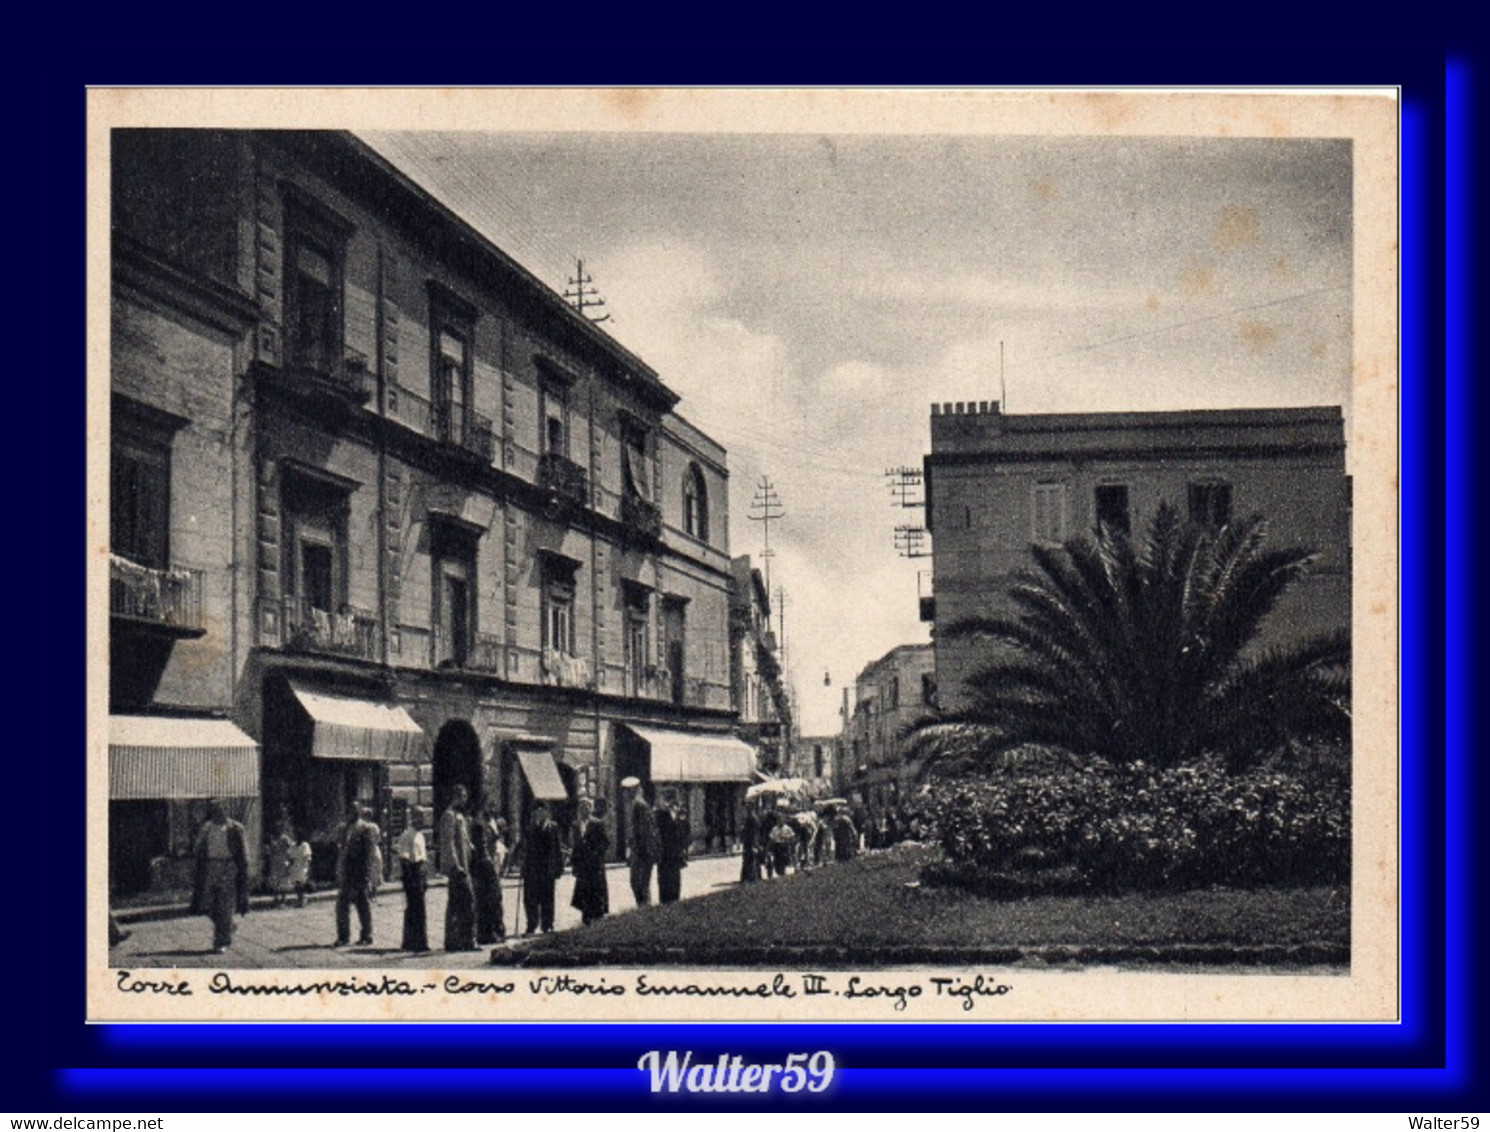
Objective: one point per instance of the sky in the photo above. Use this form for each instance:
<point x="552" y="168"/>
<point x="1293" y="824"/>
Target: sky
<point x="810" y="297"/>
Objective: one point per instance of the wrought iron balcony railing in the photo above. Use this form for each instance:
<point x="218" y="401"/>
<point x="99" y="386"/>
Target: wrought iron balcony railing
<point x="482" y="653"/>
<point x="641" y="516"/>
<point x="563" y="478"/>
<point x="565" y="671"/>
<point x="464" y="429"/>
<point x="349" y="632"/>
<point x="171" y="598"/>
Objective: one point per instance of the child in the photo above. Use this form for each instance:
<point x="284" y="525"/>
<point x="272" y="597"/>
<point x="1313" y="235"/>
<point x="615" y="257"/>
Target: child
<point x="289" y="866"/>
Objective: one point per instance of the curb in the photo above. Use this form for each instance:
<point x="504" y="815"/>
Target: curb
<point x="828" y="956"/>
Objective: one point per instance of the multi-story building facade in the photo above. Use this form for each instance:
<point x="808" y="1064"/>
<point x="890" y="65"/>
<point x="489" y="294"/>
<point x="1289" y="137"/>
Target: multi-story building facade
<point x="444" y="530"/>
<point x="889" y="696"/>
<point x="996" y="483"/>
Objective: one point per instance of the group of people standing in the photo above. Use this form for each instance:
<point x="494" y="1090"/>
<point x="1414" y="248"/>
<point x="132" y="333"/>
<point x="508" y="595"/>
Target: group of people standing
<point x="658" y="841"/>
<point x="473" y="855"/>
<point x="775" y="841"/>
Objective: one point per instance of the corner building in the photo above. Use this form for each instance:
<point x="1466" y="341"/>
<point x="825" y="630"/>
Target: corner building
<point x="463" y="537"/>
<point x="998" y="483"/>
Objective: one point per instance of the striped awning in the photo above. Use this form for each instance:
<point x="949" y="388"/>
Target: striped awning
<point x="347" y="728"/>
<point x="158" y="757"/>
<point x="543" y="776"/>
<point x="689" y="756"/>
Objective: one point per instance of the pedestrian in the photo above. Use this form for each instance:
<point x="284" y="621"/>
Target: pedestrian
<point x="750" y="832"/>
<point x="822" y="842"/>
<point x="542" y="865"/>
<point x="845" y="836"/>
<point x="644" y="848"/>
<point x="220" y="883"/>
<point x="804" y="824"/>
<point x="289" y="865"/>
<point x="783" y="844"/>
<point x="590" y="843"/>
<point x="673" y="835"/>
<point x="455" y="862"/>
<point x="763" y="851"/>
<point x="486" y="876"/>
<point x="412" y="854"/>
<point x="359" y="872"/>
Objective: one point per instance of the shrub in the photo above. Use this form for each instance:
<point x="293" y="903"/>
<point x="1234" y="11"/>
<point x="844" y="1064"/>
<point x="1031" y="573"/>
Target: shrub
<point x="1134" y="826"/>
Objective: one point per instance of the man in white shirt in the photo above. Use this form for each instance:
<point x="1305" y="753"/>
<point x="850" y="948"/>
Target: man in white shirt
<point x="412" y="862"/>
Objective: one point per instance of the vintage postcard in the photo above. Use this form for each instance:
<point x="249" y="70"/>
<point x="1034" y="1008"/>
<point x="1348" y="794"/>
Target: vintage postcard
<point x="766" y="555"/>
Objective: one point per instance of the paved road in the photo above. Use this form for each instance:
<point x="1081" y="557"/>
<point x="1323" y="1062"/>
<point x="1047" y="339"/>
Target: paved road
<point x="302" y="937"/>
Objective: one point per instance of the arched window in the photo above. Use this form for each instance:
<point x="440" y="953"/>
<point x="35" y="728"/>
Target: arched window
<point x="695" y="504"/>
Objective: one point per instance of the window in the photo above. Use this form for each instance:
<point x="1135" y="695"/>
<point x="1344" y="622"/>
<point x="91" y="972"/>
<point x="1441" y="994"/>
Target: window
<point x="315" y="243"/>
<point x="452" y="332"/>
<point x="453" y="597"/>
<point x="1210" y="504"/>
<point x="1112" y="507"/>
<point x="1048" y="513"/>
<point x="928" y="690"/>
<point x="894" y="696"/>
<point x="638" y="607"/>
<point x="636" y="478"/>
<point x="140" y="501"/>
<point x="315" y="547"/>
<point x="674" y="610"/>
<point x="555" y="410"/>
<point x="695" y="504"/>
<point x="558" y="604"/>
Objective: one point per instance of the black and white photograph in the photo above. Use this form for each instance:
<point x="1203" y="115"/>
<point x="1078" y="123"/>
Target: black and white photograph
<point x="857" y="555"/>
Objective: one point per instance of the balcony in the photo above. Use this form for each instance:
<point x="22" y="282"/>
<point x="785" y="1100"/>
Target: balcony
<point x="164" y="601"/>
<point x="318" y="376"/>
<point x="560" y="670"/>
<point x="350" y="632"/>
<point x="641" y="518"/>
<point x="564" y="480"/>
<point x="483" y="653"/>
<point x="464" y="431"/>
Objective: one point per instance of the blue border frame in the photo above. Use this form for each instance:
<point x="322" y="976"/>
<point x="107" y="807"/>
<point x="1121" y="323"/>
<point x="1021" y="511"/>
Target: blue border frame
<point x="1424" y="1064"/>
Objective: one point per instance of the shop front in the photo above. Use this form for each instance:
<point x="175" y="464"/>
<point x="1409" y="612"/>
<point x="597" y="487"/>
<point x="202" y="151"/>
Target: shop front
<point x="162" y="772"/>
<point x="326" y="750"/>
<point x="708" y="770"/>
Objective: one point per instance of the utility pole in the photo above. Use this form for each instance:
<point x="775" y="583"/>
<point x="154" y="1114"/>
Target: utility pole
<point x="781" y="620"/>
<point x="583" y="294"/>
<point x="905" y="487"/>
<point x="765" y="508"/>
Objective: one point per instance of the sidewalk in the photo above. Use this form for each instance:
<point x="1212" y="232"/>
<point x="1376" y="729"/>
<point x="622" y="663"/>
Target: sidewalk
<point x="166" y="935"/>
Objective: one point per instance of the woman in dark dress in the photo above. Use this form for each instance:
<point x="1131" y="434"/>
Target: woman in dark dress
<point x="486" y="862"/>
<point x="750" y="835"/>
<point x="587" y="857"/>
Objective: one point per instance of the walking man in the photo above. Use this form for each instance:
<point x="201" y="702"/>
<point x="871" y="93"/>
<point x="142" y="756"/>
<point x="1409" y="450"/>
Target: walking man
<point x="359" y="871"/>
<point x="412" y="856"/>
<point x="644" y="847"/>
<point x="455" y="861"/>
<point x="220" y="884"/>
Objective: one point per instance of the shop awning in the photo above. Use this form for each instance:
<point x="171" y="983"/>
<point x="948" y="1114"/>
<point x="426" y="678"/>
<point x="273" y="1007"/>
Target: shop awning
<point x="347" y="728"/>
<point x="157" y="757"/>
<point x="687" y="756"/>
<point x="543" y="776"/>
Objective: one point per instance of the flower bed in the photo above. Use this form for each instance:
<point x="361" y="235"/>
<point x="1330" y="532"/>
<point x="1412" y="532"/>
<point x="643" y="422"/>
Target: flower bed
<point x="1114" y="827"/>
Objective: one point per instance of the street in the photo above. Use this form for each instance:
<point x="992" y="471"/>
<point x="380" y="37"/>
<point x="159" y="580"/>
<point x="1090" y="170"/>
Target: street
<point x="302" y="937"/>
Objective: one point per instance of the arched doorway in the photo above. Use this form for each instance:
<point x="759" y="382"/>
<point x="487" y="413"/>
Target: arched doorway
<point x="457" y="761"/>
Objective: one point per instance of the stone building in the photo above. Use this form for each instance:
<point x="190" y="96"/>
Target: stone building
<point x="996" y="483"/>
<point x="442" y="530"/>
<point x="889" y="695"/>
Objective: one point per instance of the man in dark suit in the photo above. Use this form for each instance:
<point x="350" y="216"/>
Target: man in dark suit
<point x="543" y="863"/>
<point x="359" y="871"/>
<point x="644" y="848"/>
<point x="672" y="837"/>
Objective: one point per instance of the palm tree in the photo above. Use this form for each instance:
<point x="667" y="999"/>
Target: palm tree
<point x="1147" y="651"/>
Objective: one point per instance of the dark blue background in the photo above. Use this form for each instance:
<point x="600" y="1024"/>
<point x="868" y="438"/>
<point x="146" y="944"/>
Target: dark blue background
<point x="57" y="1064"/>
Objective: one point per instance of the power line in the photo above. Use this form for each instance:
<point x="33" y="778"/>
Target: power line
<point x="583" y="295"/>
